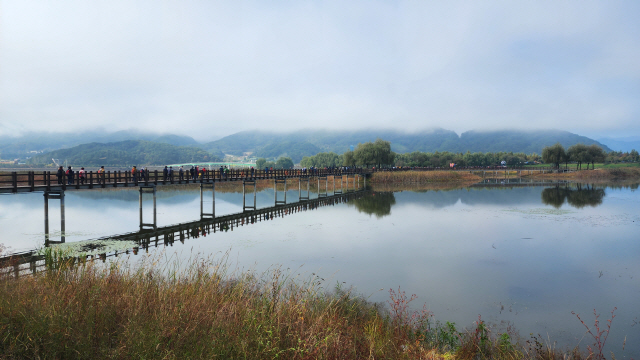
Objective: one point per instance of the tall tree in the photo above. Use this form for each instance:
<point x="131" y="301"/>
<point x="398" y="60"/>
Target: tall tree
<point x="374" y="153"/>
<point x="284" y="163"/>
<point x="554" y="154"/>
<point x="348" y="159"/>
<point x="578" y="153"/>
<point x="595" y="154"/>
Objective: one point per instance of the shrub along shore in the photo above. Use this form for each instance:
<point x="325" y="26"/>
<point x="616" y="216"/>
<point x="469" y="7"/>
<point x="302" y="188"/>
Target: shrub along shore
<point x="463" y="177"/>
<point x="421" y="177"/>
<point x="149" y="311"/>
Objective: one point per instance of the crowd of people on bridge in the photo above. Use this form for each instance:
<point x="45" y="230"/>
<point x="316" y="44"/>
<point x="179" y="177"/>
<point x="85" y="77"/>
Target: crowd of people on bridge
<point x="69" y="176"/>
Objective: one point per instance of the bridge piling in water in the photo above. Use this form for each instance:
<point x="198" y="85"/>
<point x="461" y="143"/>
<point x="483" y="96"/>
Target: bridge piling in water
<point x="300" y="179"/>
<point x="244" y="193"/>
<point x="277" y="181"/>
<point x="143" y="189"/>
<point x="58" y="195"/>
<point x="326" y="185"/>
<point x="213" y="197"/>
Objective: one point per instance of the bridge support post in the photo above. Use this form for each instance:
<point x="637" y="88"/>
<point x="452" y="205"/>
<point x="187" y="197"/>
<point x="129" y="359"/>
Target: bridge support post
<point x="326" y="184"/>
<point x="59" y="195"/>
<point x="275" y="191"/>
<point x="244" y="201"/>
<point x="143" y="189"/>
<point x="213" y="198"/>
<point x="300" y="197"/>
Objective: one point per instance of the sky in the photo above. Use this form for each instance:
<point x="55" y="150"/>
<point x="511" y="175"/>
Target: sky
<point x="208" y="69"/>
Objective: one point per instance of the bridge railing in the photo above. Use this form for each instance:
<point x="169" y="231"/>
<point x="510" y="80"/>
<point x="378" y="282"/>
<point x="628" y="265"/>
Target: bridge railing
<point x="25" y="181"/>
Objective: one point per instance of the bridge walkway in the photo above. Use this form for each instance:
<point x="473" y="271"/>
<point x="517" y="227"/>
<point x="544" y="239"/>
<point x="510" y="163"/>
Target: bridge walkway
<point x="31" y="181"/>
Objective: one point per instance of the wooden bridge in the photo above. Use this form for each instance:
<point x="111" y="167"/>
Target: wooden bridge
<point x="30" y="181"/>
<point x="33" y="261"/>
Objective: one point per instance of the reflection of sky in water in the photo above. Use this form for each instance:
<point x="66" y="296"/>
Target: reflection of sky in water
<point x="500" y="253"/>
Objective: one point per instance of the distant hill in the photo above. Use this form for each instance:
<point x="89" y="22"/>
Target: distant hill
<point x="124" y="153"/>
<point x="18" y="147"/>
<point x="624" y="144"/>
<point x="309" y="142"/>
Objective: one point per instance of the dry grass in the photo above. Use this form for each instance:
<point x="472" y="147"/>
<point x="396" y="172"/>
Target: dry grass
<point x="157" y="312"/>
<point x="614" y="174"/>
<point x="423" y="177"/>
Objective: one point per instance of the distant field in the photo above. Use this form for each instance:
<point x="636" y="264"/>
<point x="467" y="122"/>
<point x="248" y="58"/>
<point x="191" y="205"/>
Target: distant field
<point x="614" y="166"/>
<point x="584" y="166"/>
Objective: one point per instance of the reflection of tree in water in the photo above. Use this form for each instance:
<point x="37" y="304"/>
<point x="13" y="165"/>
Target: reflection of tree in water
<point x="578" y="197"/>
<point x="378" y="204"/>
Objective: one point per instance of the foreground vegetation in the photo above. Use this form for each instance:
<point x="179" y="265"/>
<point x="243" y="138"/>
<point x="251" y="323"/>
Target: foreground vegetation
<point x="113" y="311"/>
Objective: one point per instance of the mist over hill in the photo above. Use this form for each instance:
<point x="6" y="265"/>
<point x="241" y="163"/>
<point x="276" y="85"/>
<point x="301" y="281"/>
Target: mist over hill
<point x="308" y="142"/>
<point x="18" y="147"/>
<point x="295" y="144"/>
<point x="124" y="153"/>
<point x="624" y="144"/>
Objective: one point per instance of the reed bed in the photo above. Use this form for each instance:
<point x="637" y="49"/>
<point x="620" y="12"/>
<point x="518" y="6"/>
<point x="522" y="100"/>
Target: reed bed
<point x="612" y="174"/>
<point x="418" y="177"/>
<point x="206" y="311"/>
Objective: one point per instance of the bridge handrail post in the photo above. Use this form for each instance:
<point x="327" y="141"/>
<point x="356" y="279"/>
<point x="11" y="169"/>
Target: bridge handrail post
<point x="14" y="181"/>
<point x="155" y="177"/>
<point x="77" y="175"/>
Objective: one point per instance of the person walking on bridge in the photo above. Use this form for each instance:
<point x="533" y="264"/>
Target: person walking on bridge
<point x="181" y="173"/>
<point x="101" y="175"/>
<point x="60" y="175"/>
<point x="69" y="176"/>
<point x="134" y="174"/>
<point x="81" y="174"/>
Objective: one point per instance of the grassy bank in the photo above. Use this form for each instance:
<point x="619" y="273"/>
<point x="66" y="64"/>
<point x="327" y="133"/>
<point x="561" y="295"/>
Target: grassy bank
<point x="608" y="174"/>
<point x="207" y="312"/>
<point x="423" y="177"/>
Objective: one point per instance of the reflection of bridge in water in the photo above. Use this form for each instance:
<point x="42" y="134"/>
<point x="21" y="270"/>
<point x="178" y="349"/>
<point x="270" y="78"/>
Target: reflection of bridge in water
<point x="145" y="238"/>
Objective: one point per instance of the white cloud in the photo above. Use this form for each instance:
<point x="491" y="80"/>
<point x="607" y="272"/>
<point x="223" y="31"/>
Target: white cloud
<point x="203" y="68"/>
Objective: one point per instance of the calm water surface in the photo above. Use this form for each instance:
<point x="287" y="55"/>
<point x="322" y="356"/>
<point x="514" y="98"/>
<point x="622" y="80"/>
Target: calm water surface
<point x="528" y="255"/>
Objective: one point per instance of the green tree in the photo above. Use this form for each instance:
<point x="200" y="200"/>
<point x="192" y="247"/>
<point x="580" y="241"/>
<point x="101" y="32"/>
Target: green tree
<point x="284" y="163"/>
<point x="554" y="154"/>
<point x="374" y="153"/>
<point x="634" y="155"/>
<point x="595" y="153"/>
<point x="348" y="159"/>
<point x="260" y="163"/>
<point x="578" y="153"/>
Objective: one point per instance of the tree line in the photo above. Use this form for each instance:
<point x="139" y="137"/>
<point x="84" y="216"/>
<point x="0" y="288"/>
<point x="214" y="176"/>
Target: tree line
<point x="578" y="153"/>
<point x="378" y="153"/>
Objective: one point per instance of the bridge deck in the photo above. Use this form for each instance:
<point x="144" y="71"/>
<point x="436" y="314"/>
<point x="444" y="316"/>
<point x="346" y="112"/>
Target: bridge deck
<point x="31" y="181"/>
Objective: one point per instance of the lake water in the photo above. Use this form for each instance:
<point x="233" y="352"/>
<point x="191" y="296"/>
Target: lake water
<point x="525" y="255"/>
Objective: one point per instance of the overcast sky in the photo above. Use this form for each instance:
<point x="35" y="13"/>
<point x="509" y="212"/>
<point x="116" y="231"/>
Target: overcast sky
<point x="212" y="68"/>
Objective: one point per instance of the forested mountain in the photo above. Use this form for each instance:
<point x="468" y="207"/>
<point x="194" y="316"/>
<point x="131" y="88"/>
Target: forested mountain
<point x="298" y="144"/>
<point x="307" y="142"/>
<point x="18" y="147"/>
<point x="124" y="153"/>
